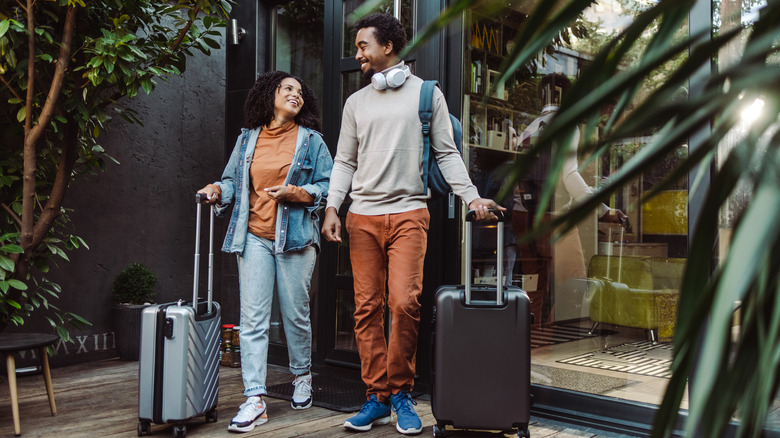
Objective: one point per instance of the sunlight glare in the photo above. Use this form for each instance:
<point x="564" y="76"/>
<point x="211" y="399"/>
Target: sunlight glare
<point x="753" y="112"/>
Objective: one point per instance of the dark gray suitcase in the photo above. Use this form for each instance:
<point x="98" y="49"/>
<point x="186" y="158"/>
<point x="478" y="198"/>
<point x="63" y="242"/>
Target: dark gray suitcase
<point x="178" y="372"/>
<point x="481" y="353"/>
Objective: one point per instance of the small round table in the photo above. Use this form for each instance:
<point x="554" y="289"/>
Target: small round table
<point x="13" y="343"/>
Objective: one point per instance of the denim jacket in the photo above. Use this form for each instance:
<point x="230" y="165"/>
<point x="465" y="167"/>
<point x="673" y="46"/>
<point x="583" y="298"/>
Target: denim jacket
<point x="297" y="225"/>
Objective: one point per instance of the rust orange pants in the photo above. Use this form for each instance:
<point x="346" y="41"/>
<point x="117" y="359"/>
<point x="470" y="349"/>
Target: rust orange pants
<point x="387" y="250"/>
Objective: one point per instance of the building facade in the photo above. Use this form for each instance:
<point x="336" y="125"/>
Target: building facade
<point x="603" y="296"/>
<point x="599" y="352"/>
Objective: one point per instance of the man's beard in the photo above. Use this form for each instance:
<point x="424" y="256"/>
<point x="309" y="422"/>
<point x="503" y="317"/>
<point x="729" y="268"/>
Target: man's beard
<point x="368" y="74"/>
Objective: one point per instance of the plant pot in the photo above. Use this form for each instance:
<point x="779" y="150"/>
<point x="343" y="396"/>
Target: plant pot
<point x="127" y="329"/>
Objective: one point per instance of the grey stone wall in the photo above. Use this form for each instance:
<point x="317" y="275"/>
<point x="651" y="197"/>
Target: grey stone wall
<point x="143" y="209"/>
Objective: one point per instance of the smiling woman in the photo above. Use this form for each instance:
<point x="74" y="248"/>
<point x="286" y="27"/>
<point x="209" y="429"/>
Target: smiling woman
<point x="276" y="179"/>
<point x="288" y="102"/>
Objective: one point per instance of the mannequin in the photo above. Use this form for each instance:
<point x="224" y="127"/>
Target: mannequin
<point x="565" y="259"/>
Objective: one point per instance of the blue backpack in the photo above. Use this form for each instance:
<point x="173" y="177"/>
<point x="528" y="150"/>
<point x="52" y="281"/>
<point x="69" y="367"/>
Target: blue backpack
<point x="432" y="176"/>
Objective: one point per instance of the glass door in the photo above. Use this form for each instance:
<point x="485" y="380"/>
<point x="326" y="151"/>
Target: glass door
<point x="296" y="46"/>
<point x="604" y="295"/>
<point x="342" y="78"/>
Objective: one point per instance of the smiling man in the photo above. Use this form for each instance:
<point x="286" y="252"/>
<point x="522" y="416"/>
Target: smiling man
<point x="379" y="158"/>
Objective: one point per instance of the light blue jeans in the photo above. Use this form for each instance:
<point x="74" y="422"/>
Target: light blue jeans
<point x="260" y="272"/>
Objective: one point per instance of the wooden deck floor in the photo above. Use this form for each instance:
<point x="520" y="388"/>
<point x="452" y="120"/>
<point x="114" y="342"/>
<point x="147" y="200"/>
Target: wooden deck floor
<point x="99" y="399"/>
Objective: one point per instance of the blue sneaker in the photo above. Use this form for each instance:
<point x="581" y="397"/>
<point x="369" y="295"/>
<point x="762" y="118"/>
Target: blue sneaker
<point x="373" y="412"/>
<point x="408" y="422"/>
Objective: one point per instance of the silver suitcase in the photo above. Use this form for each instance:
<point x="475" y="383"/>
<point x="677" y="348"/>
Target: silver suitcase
<point x="178" y="373"/>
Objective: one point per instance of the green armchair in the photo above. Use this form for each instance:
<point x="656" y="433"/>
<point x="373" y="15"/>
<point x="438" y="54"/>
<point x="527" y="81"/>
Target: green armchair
<point x="636" y="291"/>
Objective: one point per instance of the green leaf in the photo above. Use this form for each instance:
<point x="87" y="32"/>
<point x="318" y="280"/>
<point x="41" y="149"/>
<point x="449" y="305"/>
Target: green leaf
<point x="109" y="64"/>
<point x="12" y="249"/>
<point x="13" y="304"/>
<point x="62" y="332"/>
<point x="21" y="114"/>
<point x="226" y="7"/>
<point x="146" y="84"/>
<point x="4" y="25"/>
<point x="6" y="263"/>
<point x="16" y="284"/>
<point x="137" y="52"/>
<point x="79" y="320"/>
<point x="211" y="43"/>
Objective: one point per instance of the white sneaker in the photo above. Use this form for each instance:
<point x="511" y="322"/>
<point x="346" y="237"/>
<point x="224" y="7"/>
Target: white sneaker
<point x="251" y="413"/>
<point x="301" y="398"/>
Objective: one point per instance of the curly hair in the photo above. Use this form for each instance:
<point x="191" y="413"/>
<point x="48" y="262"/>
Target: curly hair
<point x="259" y="105"/>
<point x="388" y="29"/>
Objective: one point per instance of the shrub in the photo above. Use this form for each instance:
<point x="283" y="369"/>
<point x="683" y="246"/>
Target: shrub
<point x="135" y="285"/>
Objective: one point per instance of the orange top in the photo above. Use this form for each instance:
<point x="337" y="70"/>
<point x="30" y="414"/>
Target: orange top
<point x="273" y="156"/>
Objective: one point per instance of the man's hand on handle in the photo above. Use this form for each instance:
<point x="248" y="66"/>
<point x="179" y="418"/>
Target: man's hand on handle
<point x="481" y="207"/>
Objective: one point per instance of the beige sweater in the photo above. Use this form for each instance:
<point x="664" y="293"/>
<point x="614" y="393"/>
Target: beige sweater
<point x="379" y="155"/>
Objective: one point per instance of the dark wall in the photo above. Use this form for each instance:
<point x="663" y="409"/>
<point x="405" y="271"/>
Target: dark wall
<point x="143" y="209"/>
<point x="244" y="61"/>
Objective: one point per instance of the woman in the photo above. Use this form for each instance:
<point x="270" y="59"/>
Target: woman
<point x="277" y="179"/>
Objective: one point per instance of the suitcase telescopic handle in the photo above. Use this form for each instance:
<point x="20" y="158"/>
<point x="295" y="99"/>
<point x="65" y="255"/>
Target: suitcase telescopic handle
<point x="199" y="198"/>
<point x="471" y="217"/>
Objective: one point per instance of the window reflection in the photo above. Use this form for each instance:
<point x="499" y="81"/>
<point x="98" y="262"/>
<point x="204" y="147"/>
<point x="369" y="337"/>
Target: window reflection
<point x="300" y="41"/>
<point x="604" y="295"/>
<point x="386" y="7"/>
<point x="299" y="46"/>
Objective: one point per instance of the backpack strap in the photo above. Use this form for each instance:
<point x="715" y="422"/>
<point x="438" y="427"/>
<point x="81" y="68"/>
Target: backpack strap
<point x="426" y="112"/>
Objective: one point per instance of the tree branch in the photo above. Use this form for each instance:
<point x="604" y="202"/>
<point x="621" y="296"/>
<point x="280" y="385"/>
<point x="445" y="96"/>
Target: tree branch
<point x="9" y="88"/>
<point x="59" y="74"/>
<point x="12" y="213"/>
<point x="32" y="134"/>
<point x="29" y="161"/>
<point x="52" y="210"/>
<point x="178" y="41"/>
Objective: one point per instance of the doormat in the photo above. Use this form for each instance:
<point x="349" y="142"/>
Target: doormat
<point x="642" y="358"/>
<point x="578" y="380"/>
<point x="556" y="334"/>
<point x="328" y="392"/>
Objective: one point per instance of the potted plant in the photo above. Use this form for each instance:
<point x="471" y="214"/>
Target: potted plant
<point x="133" y="289"/>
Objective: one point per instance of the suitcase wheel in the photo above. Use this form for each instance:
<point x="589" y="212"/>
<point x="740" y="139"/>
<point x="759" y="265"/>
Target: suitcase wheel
<point x="179" y="431"/>
<point x="144" y="428"/>
<point x="211" y="416"/>
<point x="523" y="433"/>
<point x="438" y="430"/>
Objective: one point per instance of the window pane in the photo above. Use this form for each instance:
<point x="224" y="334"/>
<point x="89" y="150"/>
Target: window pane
<point x="604" y="295"/>
<point x="729" y="15"/>
<point x="385" y="6"/>
<point x="299" y="44"/>
<point x="300" y="41"/>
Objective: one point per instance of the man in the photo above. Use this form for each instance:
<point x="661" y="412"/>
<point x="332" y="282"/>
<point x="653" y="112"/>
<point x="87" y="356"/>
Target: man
<point x="379" y="158"/>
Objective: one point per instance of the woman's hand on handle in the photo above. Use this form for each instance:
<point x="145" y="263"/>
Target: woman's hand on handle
<point x="212" y="194"/>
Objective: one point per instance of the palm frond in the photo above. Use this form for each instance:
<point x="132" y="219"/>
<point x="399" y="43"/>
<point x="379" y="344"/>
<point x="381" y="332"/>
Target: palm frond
<point x="729" y="380"/>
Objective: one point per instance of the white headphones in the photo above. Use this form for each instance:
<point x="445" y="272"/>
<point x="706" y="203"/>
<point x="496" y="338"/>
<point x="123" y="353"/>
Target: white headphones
<point x="392" y="79"/>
